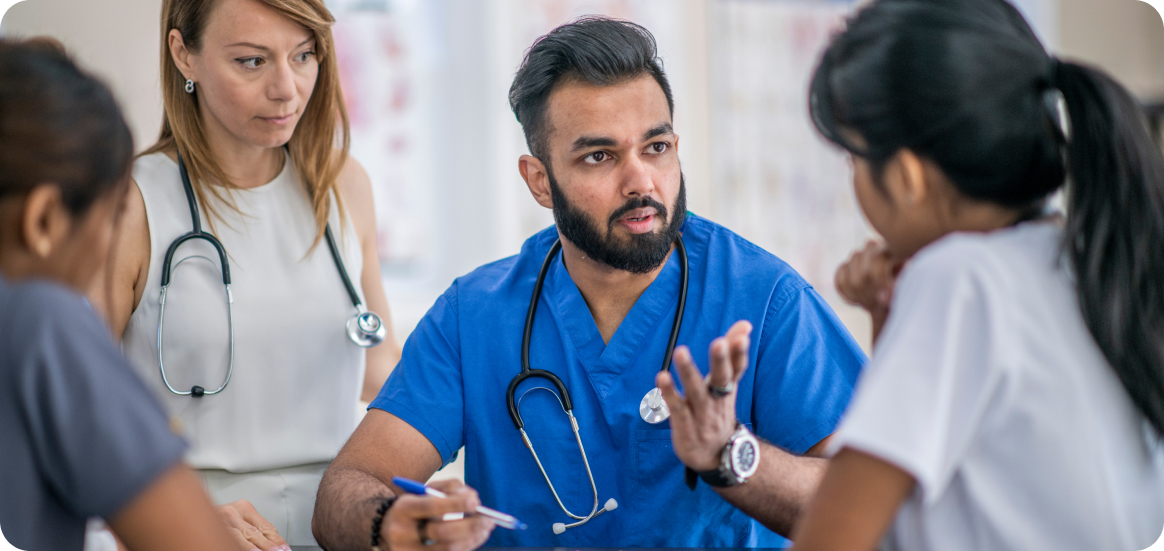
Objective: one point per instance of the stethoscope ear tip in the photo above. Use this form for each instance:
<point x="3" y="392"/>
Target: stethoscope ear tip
<point x="559" y="527"/>
<point x="611" y="504"/>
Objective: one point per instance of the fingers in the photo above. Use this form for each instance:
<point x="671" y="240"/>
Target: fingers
<point x="694" y="387"/>
<point x="739" y="339"/>
<point x="680" y="415"/>
<point x="468" y="533"/>
<point x="249" y="529"/>
<point x="457" y="490"/>
<point x="866" y="279"/>
<point x="413" y="518"/>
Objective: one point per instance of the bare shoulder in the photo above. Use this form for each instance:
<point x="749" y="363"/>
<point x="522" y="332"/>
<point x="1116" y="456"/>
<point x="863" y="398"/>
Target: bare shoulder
<point x="355" y="188"/>
<point x="117" y="290"/>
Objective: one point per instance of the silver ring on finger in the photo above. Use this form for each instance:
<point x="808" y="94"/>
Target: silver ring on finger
<point x="422" y="532"/>
<point x="720" y="391"/>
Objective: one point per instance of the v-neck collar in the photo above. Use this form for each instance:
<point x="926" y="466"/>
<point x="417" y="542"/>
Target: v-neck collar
<point x="605" y="363"/>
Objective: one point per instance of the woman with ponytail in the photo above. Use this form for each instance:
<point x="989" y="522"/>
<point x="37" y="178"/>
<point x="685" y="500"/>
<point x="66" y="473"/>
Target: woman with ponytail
<point x="1015" y="396"/>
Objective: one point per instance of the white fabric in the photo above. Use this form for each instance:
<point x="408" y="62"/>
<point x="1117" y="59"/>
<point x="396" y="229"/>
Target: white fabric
<point x="296" y="375"/>
<point x="987" y="387"/>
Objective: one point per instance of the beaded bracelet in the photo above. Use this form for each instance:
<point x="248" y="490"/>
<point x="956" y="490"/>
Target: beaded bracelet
<point x="379" y="519"/>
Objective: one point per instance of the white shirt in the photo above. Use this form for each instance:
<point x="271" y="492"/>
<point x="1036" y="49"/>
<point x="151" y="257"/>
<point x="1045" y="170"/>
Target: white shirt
<point x="297" y="378"/>
<point x="988" y="389"/>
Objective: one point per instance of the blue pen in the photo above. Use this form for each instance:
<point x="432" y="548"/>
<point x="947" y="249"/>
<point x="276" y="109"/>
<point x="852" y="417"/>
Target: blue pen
<point x="503" y="520"/>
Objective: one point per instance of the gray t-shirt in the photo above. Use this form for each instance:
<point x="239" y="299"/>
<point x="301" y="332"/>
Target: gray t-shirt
<point x="80" y="436"/>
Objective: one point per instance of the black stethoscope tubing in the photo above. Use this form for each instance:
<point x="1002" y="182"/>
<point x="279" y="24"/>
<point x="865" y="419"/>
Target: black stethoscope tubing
<point x="368" y="329"/>
<point x="527" y="372"/>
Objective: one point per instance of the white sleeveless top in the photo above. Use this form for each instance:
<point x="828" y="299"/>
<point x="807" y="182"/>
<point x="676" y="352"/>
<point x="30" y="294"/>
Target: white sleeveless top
<point x="297" y="376"/>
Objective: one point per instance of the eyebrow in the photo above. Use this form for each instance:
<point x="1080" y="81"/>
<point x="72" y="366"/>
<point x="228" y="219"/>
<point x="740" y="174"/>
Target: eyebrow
<point x="264" y="48"/>
<point x="664" y="128"/>
<point x="586" y="142"/>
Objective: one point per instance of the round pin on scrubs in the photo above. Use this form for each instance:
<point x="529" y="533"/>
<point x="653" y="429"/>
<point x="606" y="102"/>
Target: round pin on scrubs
<point x="653" y="409"/>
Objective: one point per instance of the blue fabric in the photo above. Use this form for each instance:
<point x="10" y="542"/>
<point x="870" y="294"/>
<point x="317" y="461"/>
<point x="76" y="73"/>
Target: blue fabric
<point x="451" y="382"/>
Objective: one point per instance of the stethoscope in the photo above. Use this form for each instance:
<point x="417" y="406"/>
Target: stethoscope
<point x="652" y="408"/>
<point x="364" y="328"/>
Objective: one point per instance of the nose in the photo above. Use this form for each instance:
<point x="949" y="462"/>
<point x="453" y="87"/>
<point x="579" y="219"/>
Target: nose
<point x="281" y="86"/>
<point x="637" y="178"/>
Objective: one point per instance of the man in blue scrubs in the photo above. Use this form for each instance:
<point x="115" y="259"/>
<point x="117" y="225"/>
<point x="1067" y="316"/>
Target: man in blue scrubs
<point x="596" y="109"/>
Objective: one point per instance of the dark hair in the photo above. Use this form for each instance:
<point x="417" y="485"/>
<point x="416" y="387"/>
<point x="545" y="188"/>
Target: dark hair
<point x="967" y="85"/>
<point x="597" y="50"/>
<point x="58" y="125"/>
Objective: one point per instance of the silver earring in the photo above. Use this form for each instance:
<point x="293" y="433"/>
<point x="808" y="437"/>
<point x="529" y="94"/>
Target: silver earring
<point x="189" y="86"/>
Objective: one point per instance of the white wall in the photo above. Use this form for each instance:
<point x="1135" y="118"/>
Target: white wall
<point x="475" y="208"/>
<point x="116" y="39"/>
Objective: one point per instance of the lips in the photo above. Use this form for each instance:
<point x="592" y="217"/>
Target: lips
<point x="639" y="220"/>
<point x="280" y="120"/>
<point x="638" y="215"/>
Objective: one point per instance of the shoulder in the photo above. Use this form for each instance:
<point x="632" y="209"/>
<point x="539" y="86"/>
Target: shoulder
<point x="987" y="257"/>
<point x="155" y="169"/>
<point x="354" y="187"/>
<point x="501" y="277"/>
<point x="746" y="264"/>
<point x="354" y="182"/>
<point x="36" y="310"/>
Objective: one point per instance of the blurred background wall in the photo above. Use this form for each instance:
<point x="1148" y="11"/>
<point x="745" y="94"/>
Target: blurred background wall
<point x="426" y="84"/>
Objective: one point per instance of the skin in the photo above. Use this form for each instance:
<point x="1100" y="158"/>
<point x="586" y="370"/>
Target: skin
<point x="41" y="239"/>
<point x="607" y="145"/>
<point x="255" y="74"/>
<point x="915" y="205"/>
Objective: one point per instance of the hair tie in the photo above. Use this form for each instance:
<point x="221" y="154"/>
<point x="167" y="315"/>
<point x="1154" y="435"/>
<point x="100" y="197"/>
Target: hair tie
<point x="1054" y="103"/>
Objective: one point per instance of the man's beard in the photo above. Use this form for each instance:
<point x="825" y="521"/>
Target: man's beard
<point x="642" y="253"/>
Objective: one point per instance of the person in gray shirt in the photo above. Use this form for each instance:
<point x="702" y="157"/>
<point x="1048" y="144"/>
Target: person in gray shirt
<point x="80" y="436"/>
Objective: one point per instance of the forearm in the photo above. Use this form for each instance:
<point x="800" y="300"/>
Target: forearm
<point x="779" y="493"/>
<point x="344" y="507"/>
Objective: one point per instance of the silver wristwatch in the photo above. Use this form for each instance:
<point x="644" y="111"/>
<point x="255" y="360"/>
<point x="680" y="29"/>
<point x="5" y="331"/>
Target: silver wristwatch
<point x="737" y="462"/>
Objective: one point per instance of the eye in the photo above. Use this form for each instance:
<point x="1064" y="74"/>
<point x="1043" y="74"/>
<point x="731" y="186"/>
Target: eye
<point x="659" y="148"/>
<point x="250" y="62"/>
<point x="303" y="57"/>
<point x="596" y="157"/>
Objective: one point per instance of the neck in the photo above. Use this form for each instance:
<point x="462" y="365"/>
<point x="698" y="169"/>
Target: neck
<point x="246" y="165"/>
<point x="609" y="293"/>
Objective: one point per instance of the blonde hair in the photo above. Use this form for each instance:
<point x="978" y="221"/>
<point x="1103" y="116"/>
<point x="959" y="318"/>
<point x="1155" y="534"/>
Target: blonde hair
<point x="322" y="128"/>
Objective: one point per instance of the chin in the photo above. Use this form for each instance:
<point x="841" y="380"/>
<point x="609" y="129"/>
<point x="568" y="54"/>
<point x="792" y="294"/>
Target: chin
<point x="273" y="140"/>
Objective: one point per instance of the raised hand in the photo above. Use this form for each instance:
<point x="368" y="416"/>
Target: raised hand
<point x="704" y="417"/>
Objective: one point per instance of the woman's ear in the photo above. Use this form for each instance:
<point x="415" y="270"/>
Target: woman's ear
<point x="181" y="54"/>
<point x="537" y="177"/>
<point x="906" y="179"/>
<point x="45" y="220"/>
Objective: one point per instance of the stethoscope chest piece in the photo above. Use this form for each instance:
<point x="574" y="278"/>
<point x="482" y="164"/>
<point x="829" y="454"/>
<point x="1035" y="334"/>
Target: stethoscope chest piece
<point x="653" y="409"/>
<point x="366" y="329"/>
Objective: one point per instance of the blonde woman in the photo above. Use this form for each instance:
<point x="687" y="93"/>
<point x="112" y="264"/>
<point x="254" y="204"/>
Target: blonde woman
<point x="265" y="387"/>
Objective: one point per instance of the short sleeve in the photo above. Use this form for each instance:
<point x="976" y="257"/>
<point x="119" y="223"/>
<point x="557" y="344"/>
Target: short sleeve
<point x="933" y="374"/>
<point x="806" y="367"/>
<point x="425" y="389"/>
<point x="98" y="436"/>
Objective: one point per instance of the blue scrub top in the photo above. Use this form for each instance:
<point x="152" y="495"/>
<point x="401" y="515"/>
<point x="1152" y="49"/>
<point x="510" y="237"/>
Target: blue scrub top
<point x="451" y="383"/>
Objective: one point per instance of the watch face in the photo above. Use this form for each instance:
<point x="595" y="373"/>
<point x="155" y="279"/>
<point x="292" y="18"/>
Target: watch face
<point x="745" y="457"/>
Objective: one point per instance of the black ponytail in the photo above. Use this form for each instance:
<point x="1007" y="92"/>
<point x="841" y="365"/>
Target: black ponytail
<point x="1115" y="230"/>
<point x="968" y="85"/>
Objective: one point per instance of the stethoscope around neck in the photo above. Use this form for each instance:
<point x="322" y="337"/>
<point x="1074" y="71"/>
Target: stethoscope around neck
<point x="365" y="329"/>
<point x="652" y="408"/>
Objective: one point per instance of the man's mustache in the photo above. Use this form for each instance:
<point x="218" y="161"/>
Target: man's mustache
<point x="633" y="204"/>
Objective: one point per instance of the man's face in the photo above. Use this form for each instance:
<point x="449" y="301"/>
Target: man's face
<point x="614" y="174"/>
